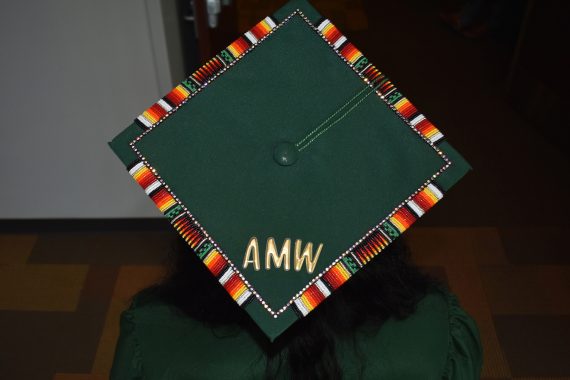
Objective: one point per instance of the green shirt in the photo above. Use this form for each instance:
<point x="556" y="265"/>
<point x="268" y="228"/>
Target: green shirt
<point x="157" y="341"/>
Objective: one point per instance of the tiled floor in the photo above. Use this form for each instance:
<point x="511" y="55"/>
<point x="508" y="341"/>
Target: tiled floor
<point x="499" y="238"/>
<point x="61" y="296"/>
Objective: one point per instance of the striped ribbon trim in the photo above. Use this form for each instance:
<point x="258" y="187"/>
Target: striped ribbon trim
<point x="371" y="74"/>
<point x="191" y="232"/>
<point x="201" y="77"/>
<point x="152" y="186"/>
<point x="336" y="275"/>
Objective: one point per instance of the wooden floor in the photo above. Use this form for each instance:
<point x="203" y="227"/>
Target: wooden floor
<point x="499" y="238"/>
<point x="61" y="295"/>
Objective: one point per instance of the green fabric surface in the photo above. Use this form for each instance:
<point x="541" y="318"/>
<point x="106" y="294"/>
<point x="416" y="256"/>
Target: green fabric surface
<point x="121" y="147"/>
<point x="216" y="153"/>
<point x="439" y="341"/>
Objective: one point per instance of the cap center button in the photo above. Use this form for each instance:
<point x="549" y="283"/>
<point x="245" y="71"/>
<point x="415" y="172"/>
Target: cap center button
<point x="286" y="154"/>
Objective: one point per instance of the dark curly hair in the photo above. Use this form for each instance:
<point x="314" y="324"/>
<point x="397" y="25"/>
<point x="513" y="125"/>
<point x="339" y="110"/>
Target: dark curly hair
<point x="389" y="286"/>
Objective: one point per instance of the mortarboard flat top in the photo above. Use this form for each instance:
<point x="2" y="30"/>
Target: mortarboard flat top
<point x="287" y="162"/>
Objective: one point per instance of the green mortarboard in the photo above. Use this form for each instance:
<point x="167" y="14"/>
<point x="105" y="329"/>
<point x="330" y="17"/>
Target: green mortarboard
<point x="287" y="162"/>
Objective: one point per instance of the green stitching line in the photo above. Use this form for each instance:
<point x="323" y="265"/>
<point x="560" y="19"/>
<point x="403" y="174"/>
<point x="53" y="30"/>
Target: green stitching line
<point x="335" y="122"/>
<point x="331" y="116"/>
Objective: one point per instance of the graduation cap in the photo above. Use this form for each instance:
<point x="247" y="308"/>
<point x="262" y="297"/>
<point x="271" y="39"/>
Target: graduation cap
<point x="287" y="162"/>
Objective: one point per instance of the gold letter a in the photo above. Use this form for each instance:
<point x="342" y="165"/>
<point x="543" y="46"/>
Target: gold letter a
<point x="252" y="249"/>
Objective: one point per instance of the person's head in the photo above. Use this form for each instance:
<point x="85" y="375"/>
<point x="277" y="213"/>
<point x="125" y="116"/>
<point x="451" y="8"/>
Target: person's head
<point x="389" y="286"/>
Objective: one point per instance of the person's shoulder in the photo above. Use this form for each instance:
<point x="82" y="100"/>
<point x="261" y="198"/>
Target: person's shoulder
<point x="149" y="306"/>
<point x="439" y="340"/>
<point x="463" y="350"/>
<point x="435" y="303"/>
<point x="147" y="298"/>
<point x="441" y="307"/>
<point x="429" y="324"/>
<point x="186" y="345"/>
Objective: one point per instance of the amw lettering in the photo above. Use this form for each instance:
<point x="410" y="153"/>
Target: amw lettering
<point x="274" y="258"/>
